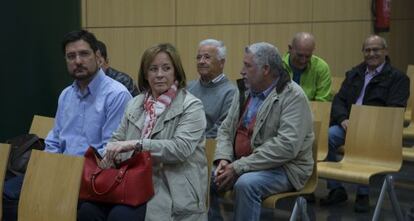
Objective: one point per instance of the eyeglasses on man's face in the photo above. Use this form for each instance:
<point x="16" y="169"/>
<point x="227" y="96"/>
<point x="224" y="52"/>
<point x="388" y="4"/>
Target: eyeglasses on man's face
<point x="206" y="57"/>
<point x="375" y="50"/>
<point x="83" y="54"/>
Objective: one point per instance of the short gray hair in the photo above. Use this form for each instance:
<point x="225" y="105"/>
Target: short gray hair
<point x="266" y="54"/>
<point x="221" y="49"/>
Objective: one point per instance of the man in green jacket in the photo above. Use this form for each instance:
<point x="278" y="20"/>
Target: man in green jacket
<point x="312" y="73"/>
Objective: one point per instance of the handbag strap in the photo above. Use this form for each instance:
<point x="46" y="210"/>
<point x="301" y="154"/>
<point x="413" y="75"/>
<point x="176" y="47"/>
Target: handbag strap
<point x="29" y="140"/>
<point x="33" y="138"/>
<point x="117" y="180"/>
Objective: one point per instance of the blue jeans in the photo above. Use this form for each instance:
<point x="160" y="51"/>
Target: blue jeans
<point x="214" y="210"/>
<point x="90" y="211"/>
<point x="11" y="194"/>
<point x="250" y="188"/>
<point x="336" y="138"/>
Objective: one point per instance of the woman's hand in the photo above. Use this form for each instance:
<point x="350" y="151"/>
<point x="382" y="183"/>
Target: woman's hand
<point x="114" y="148"/>
<point x="106" y="164"/>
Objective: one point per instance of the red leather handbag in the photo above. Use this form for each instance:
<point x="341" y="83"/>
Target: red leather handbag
<point x="129" y="184"/>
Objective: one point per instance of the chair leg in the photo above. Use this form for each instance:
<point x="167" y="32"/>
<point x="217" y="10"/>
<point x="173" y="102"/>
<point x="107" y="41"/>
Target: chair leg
<point x="393" y="197"/>
<point x="300" y="207"/>
<point x="388" y="186"/>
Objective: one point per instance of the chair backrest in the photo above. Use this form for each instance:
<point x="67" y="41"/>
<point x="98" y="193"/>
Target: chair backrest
<point x="321" y="112"/>
<point x="4" y="156"/>
<point x="210" y="149"/>
<point x="336" y="84"/>
<point x="310" y="186"/>
<point x="41" y="125"/>
<point x="51" y="187"/>
<point x="410" y="73"/>
<point x="408" y="154"/>
<point x="374" y="135"/>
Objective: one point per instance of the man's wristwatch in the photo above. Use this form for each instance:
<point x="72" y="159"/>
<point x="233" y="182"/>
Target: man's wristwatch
<point x="138" y="146"/>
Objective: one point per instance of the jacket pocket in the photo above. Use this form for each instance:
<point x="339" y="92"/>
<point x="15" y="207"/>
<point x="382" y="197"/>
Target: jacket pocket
<point x="185" y="194"/>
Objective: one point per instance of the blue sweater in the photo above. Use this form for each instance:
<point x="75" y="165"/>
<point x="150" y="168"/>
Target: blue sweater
<point x="216" y="98"/>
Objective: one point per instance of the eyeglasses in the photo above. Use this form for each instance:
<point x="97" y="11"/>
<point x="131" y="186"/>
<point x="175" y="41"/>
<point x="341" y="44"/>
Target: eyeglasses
<point x="373" y="50"/>
<point x="71" y="56"/>
<point x="205" y="56"/>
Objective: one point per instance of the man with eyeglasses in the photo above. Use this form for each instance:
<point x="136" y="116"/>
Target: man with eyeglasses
<point x="311" y="72"/>
<point x="373" y="82"/>
<point x="213" y="88"/>
<point x="88" y="111"/>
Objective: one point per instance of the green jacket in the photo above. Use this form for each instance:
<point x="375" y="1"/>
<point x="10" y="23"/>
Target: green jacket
<point x="177" y="146"/>
<point x="282" y="136"/>
<point x="316" y="80"/>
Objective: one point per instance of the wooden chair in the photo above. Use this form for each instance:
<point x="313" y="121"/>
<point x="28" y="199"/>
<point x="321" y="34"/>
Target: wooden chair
<point x="389" y="184"/>
<point x="408" y="132"/>
<point x="51" y="187"/>
<point x="336" y="84"/>
<point x="408" y="113"/>
<point x="210" y="149"/>
<point x="41" y="126"/>
<point x="372" y="145"/>
<point x="4" y="157"/>
<point x="408" y="154"/>
<point x="321" y="112"/>
<point x="405" y="182"/>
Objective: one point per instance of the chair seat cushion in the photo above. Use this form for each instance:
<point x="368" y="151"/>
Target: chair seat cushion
<point x="353" y="172"/>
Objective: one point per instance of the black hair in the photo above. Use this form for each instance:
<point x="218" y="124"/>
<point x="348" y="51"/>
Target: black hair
<point x="102" y="48"/>
<point x="80" y="35"/>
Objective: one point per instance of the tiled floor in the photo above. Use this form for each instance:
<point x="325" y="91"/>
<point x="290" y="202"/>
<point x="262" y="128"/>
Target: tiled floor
<point x="345" y="212"/>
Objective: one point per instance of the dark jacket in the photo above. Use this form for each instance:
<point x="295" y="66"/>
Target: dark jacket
<point x="389" y="88"/>
<point x="124" y="79"/>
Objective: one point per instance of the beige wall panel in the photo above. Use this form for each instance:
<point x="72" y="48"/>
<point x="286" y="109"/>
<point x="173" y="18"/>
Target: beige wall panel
<point x="279" y="35"/>
<point x="191" y="12"/>
<point x="402" y="9"/>
<point x="110" y="13"/>
<point x="125" y="46"/>
<point x="83" y="13"/>
<point x="276" y="11"/>
<point x="339" y="44"/>
<point x="401" y="44"/>
<point x="235" y="38"/>
<point x="340" y="10"/>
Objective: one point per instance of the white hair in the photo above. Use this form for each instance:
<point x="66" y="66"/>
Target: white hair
<point x="221" y="49"/>
<point x="266" y="54"/>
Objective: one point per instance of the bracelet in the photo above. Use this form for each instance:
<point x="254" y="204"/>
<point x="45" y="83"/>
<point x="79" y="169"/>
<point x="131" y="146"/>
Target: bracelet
<point x="138" y="146"/>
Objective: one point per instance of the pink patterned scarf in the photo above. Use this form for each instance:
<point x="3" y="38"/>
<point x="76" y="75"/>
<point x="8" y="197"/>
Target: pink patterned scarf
<point x="155" y="107"/>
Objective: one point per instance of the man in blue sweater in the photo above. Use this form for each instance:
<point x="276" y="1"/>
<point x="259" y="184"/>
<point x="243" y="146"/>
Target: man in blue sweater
<point x="213" y="88"/>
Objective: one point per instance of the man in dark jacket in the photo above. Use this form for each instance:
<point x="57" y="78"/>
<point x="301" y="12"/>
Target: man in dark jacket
<point x="374" y="82"/>
<point x="122" y="78"/>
